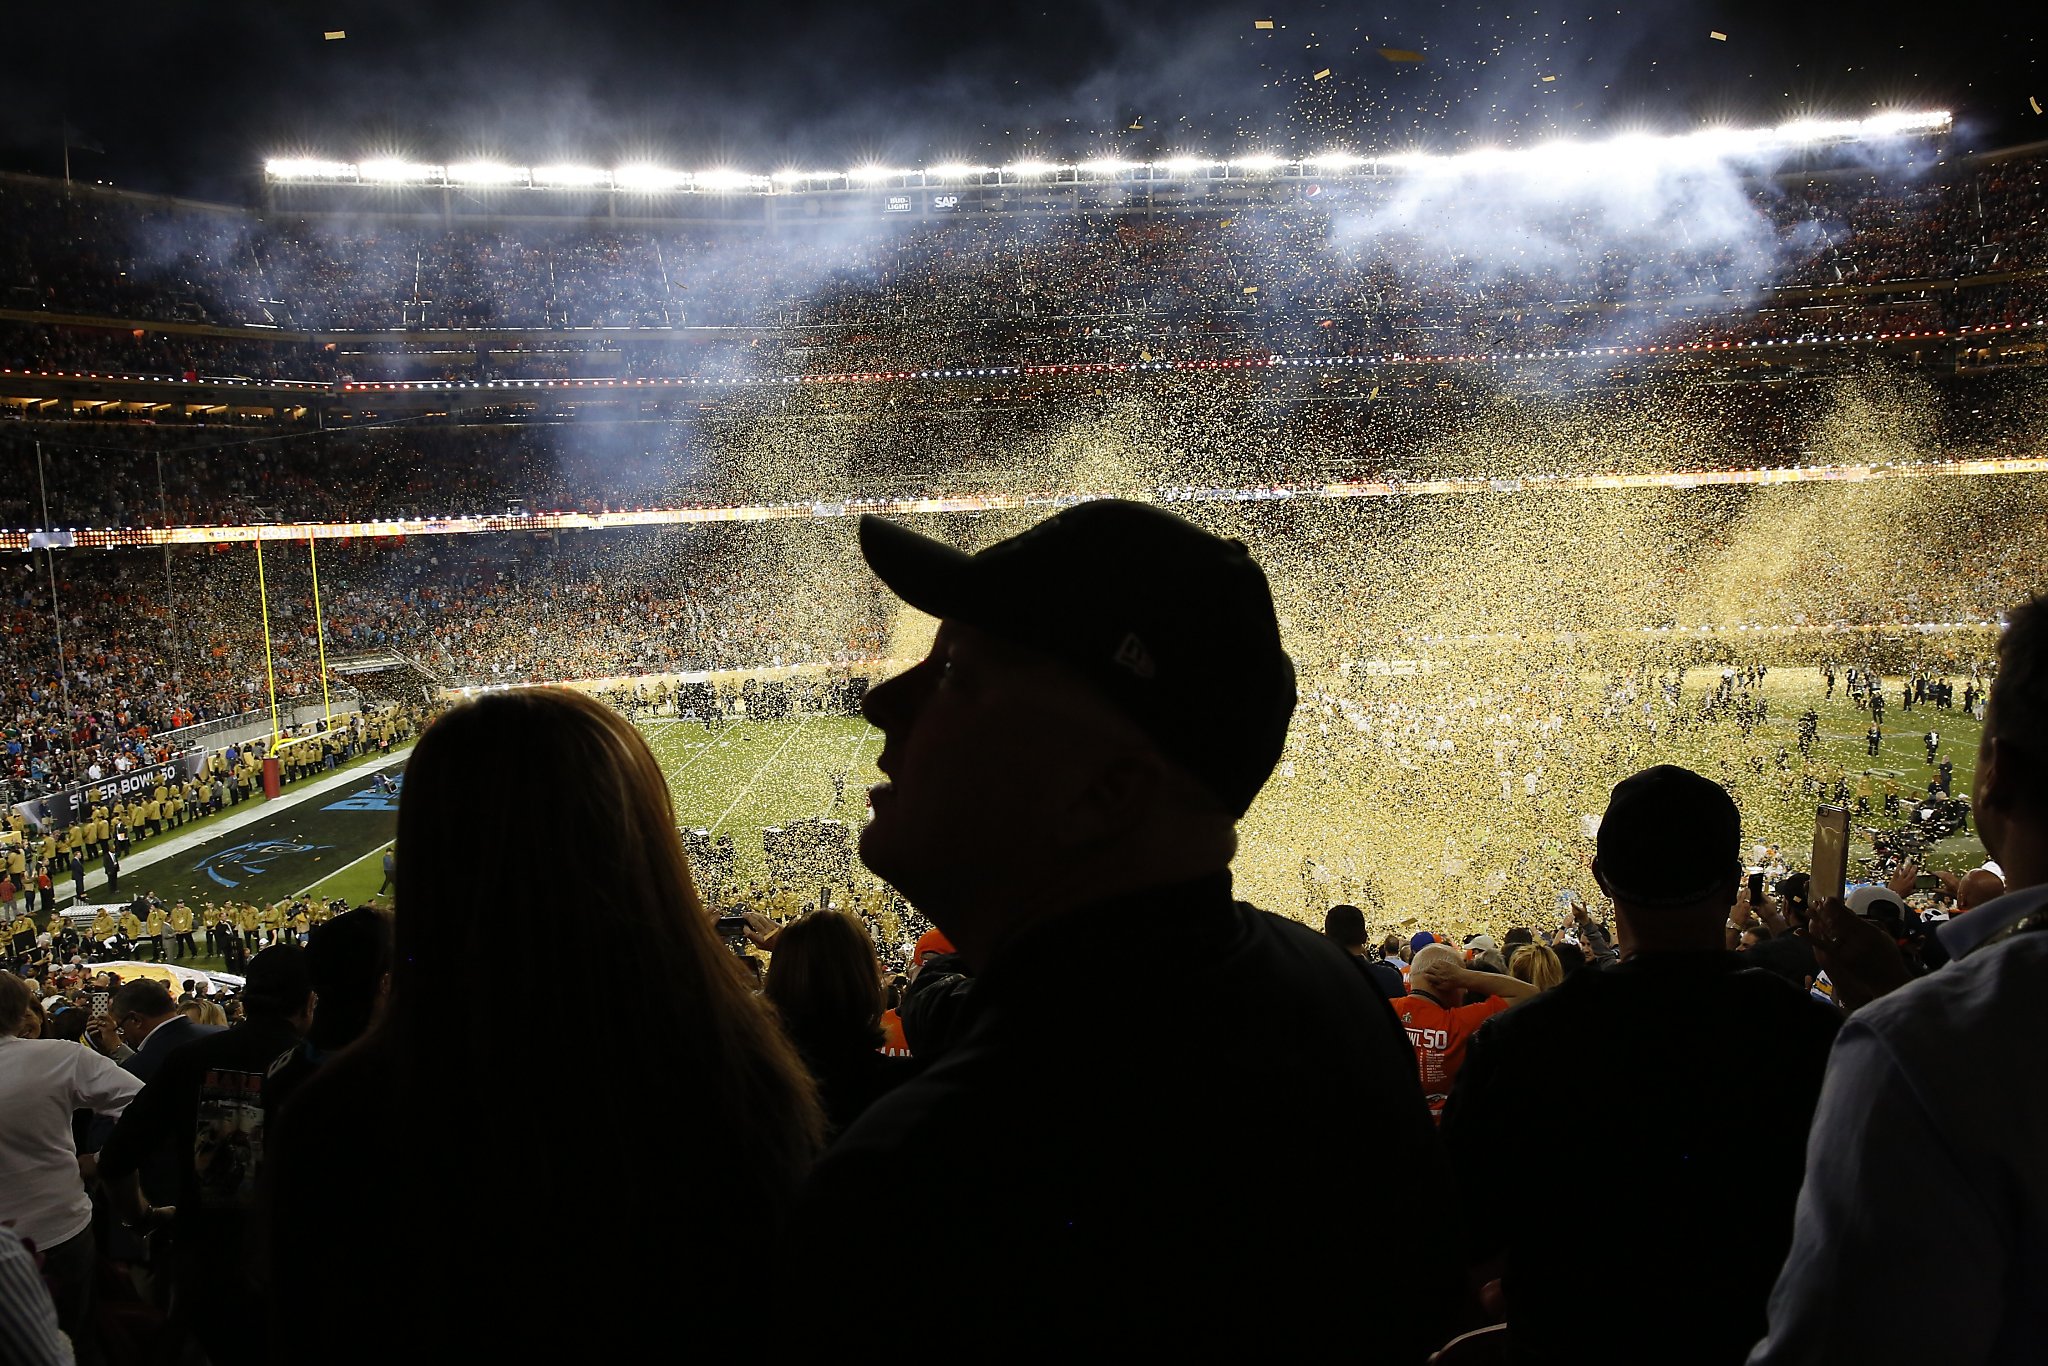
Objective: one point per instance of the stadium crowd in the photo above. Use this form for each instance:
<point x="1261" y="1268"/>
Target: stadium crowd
<point x="1052" y="1017"/>
<point x="1358" y="272"/>
<point x="1103" y="1082"/>
<point x="1193" y="431"/>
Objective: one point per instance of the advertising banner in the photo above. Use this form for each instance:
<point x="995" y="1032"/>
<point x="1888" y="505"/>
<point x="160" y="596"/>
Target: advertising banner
<point x="60" y="809"/>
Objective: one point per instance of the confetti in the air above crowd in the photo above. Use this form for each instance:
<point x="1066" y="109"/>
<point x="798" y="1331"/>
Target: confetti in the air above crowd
<point x="1494" y="647"/>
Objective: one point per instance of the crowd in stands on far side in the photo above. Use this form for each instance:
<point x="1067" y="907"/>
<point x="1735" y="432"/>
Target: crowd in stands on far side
<point x="1104" y="1083"/>
<point x="1303" y="278"/>
<point x="1209" y="431"/>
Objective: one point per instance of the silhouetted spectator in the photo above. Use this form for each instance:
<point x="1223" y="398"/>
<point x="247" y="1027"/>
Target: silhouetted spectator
<point x="1686" y="1079"/>
<point x="1106" y="694"/>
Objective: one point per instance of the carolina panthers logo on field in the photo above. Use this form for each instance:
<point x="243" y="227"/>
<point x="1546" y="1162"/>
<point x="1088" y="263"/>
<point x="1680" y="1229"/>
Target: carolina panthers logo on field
<point x="233" y="867"/>
<point x="380" y="795"/>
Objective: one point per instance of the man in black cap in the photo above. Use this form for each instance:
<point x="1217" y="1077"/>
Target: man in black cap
<point x="209" y="1103"/>
<point x="1130" y="1141"/>
<point x="1679" y="1080"/>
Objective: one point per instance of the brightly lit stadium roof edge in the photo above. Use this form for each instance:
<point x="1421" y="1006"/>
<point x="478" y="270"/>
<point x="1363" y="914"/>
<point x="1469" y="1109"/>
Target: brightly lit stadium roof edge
<point x="1713" y="143"/>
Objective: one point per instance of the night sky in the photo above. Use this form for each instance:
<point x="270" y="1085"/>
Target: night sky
<point x="190" y="97"/>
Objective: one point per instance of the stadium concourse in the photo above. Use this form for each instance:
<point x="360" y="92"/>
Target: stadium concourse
<point x="1744" y="515"/>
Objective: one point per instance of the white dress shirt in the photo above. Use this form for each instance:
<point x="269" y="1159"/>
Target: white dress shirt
<point x="41" y="1082"/>
<point x="1922" y="1231"/>
<point x="1961" y="934"/>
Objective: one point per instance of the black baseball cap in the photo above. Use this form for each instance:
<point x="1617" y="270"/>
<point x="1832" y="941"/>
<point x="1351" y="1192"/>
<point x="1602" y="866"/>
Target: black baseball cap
<point x="1173" y="624"/>
<point x="1669" y="836"/>
<point x="277" y="979"/>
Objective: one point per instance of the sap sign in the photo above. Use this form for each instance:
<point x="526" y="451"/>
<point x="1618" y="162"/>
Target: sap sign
<point x="899" y="203"/>
<point x="945" y="203"/>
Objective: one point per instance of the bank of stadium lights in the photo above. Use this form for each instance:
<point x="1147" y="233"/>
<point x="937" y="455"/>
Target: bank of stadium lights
<point x="1628" y="151"/>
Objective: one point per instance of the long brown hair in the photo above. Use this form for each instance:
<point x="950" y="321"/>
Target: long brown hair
<point x="537" y="821"/>
<point x="826" y="983"/>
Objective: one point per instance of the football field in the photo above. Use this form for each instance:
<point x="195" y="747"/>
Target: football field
<point x="1457" y="849"/>
<point x="742" y="776"/>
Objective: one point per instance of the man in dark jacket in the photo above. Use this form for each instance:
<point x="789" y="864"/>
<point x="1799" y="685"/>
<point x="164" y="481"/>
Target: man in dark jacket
<point x="210" y="1101"/>
<point x="1678" y="1085"/>
<point x="1134" y="1162"/>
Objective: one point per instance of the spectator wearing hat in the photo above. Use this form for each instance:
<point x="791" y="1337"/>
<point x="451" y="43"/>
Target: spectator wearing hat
<point x="1689" y="1078"/>
<point x="211" y="1102"/>
<point x="1106" y="694"/>
<point x="1926" y="1149"/>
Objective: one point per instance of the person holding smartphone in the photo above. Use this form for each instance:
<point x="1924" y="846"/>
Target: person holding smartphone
<point x="1926" y="1148"/>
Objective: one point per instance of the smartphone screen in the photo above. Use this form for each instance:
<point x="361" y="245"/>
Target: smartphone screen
<point x="1756" y="889"/>
<point x="1830" y="854"/>
<point x="99" y="1004"/>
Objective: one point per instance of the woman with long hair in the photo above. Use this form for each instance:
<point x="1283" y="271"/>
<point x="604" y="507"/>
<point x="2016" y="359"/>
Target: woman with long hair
<point x="469" y="1177"/>
<point x="825" y="981"/>
<point x="1538" y="965"/>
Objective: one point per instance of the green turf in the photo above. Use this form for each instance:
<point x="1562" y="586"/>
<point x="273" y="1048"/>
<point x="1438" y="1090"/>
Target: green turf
<point x="744" y="776"/>
<point x="359" y="882"/>
<point x="368" y="763"/>
<point x="750" y="775"/>
<point x="283" y="853"/>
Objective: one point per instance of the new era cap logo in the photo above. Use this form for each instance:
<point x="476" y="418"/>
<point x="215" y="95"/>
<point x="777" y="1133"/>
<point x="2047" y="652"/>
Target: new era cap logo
<point x="1133" y="655"/>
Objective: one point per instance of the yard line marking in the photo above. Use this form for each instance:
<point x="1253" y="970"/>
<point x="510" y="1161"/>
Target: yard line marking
<point x="710" y="736"/>
<point x="747" y="791"/>
<point x="860" y="740"/>
<point x="335" y="873"/>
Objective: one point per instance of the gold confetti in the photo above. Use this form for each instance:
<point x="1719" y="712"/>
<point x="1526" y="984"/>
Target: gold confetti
<point x="1262" y="23"/>
<point x="1324" y="74"/>
<point x="1717" y="35"/>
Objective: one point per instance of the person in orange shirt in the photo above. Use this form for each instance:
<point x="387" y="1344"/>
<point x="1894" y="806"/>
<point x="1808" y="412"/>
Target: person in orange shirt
<point x="928" y="943"/>
<point x="1439" y="1021"/>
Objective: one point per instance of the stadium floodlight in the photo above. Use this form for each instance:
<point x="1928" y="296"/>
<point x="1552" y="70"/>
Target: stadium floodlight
<point x="722" y="180"/>
<point x="1029" y="168"/>
<point x="1183" y="165"/>
<point x="1258" y="161"/>
<point x="872" y="174"/>
<point x="649" y="179"/>
<point x="791" y="176"/>
<point x="307" y="168"/>
<point x="1896" y="121"/>
<point x="570" y="177"/>
<point x="485" y="173"/>
<point x="395" y="172"/>
<point x="1108" y="165"/>
<point x="954" y="170"/>
<point x="1803" y="131"/>
<point x="1334" y="161"/>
